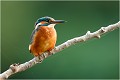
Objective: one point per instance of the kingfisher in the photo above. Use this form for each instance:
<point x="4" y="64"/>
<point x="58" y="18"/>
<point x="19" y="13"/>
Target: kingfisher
<point x="44" y="36"/>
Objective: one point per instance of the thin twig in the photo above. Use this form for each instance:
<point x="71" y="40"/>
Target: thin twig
<point x="15" y="68"/>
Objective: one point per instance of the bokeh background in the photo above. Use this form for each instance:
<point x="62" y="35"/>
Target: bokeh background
<point x="94" y="59"/>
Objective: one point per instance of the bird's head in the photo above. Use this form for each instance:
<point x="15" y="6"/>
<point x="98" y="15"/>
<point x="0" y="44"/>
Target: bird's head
<point x="48" y="21"/>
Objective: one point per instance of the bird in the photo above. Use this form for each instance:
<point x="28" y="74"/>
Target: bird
<point x="44" y="36"/>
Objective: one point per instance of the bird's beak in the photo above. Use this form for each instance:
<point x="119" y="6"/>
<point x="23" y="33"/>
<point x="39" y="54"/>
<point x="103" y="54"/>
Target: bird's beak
<point x="58" y="21"/>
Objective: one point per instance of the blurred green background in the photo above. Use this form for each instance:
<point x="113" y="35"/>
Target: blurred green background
<point x="94" y="59"/>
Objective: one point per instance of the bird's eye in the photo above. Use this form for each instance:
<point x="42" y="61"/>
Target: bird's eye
<point x="49" y="21"/>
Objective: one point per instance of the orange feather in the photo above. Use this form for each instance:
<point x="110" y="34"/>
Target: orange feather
<point x="44" y="40"/>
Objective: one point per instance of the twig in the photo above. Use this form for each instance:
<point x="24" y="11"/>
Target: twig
<point x="15" y="68"/>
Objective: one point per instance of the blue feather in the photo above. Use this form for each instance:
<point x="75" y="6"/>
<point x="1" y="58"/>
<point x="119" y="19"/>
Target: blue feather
<point x="46" y="19"/>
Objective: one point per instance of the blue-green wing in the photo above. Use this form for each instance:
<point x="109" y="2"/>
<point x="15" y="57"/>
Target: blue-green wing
<point x="33" y="33"/>
<point x="32" y="37"/>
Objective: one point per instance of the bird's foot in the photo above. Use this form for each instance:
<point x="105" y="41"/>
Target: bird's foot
<point x="49" y="52"/>
<point x="39" y="59"/>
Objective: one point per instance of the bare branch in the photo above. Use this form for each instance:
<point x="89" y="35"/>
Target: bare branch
<point x="15" y="68"/>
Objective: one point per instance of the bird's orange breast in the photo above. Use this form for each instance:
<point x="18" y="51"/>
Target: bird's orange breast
<point x="44" y="40"/>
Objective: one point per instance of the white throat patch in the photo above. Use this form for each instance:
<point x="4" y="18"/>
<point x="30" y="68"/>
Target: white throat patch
<point x="51" y="25"/>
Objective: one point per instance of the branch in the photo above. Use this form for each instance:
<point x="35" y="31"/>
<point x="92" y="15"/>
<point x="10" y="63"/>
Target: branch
<point x="15" y="68"/>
